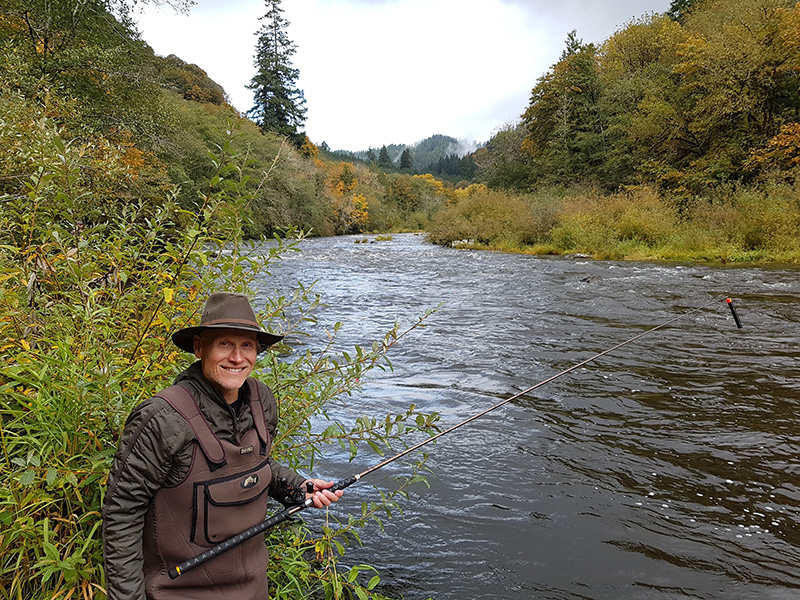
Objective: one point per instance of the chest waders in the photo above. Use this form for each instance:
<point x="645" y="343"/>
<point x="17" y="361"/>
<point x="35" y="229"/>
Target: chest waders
<point x="225" y="490"/>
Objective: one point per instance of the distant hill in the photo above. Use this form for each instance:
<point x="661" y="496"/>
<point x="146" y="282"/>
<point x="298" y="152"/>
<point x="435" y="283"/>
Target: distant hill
<point x="428" y="155"/>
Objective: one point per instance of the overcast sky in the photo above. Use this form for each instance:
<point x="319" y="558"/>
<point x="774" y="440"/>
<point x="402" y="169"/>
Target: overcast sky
<point x="378" y="72"/>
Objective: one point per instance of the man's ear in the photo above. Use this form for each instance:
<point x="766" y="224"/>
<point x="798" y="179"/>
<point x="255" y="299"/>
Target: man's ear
<point x="197" y="345"/>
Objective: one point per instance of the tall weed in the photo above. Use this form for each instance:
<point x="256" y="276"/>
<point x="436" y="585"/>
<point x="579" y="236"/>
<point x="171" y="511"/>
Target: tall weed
<point x="487" y="217"/>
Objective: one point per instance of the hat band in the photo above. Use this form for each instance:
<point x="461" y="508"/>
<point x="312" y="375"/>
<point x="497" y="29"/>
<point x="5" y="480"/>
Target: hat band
<point x="232" y="322"/>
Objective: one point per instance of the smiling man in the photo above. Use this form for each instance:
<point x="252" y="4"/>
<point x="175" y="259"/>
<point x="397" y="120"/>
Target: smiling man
<point x="193" y="468"/>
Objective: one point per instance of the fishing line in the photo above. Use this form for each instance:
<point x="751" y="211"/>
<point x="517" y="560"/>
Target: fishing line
<point x="245" y="535"/>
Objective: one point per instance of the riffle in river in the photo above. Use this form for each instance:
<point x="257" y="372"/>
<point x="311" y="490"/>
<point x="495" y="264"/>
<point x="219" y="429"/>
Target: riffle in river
<point x="665" y="470"/>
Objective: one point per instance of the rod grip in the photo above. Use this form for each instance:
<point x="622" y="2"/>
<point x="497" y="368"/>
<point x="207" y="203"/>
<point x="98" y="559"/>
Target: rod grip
<point x="343" y="483"/>
<point x="231" y="542"/>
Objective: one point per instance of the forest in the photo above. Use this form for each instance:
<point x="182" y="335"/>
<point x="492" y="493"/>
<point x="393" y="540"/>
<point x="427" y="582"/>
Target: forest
<point x="130" y="189"/>
<point x="676" y="138"/>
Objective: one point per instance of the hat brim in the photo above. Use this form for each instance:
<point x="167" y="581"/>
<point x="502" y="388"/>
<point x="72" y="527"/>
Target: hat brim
<point x="184" y="338"/>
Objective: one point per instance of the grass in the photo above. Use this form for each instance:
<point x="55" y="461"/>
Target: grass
<point x="759" y="224"/>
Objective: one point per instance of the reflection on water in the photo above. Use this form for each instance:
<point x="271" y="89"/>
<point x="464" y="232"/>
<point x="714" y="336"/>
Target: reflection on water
<point x="668" y="469"/>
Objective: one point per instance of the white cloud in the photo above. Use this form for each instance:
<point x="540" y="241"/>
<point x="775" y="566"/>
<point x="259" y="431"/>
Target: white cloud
<point x="394" y="71"/>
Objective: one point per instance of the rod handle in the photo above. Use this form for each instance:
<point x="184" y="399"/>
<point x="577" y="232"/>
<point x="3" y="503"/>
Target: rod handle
<point x="231" y="542"/>
<point x="253" y="531"/>
<point x="343" y="483"/>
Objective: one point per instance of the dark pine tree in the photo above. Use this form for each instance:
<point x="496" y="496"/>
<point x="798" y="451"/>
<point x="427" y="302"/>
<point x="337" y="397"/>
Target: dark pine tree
<point x="678" y="9"/>
<point x="384" y="160"/>
<point x="279" y="105"/>
<point x="406" y="160"/>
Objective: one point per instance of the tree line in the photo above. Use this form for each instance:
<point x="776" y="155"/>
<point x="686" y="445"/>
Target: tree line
<point x="702" y="95"/>
<point x="675" y="138"/>
<point x="86" y="71"/>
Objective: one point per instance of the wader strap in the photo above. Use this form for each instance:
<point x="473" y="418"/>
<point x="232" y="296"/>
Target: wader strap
<point x="183" y="401"/>
<point x="257" y="410"/>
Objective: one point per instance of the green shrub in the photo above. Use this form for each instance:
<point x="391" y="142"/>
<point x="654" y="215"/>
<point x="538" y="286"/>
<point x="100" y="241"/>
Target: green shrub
<point x="745" y="223"/>
<point x="88" y="302"/>
<point x="485" y="217"/>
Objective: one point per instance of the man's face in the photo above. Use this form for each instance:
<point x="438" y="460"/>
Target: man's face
<point x="228" y="357"/>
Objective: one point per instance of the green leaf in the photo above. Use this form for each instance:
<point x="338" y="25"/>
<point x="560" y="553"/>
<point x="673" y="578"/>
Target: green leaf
<point x="50" y="476"/>
<point x="378" y="450"/>
<point x="351" y="576"/>
<point x="27" y="478"/>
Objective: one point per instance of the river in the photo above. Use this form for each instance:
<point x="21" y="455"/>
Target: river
<point x="667" y="469"/>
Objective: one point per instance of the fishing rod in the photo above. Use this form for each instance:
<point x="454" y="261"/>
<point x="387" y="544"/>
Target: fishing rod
<point x="279" y="517"/>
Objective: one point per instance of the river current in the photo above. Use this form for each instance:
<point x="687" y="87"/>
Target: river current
<point x="668" y="469"/>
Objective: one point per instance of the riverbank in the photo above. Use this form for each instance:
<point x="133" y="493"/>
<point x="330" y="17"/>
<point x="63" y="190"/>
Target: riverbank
<point x="710" y="257"/>
<point x="755" y="224"/>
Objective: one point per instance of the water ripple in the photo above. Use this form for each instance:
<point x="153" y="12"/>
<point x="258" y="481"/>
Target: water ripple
<point x="666" y="470"/>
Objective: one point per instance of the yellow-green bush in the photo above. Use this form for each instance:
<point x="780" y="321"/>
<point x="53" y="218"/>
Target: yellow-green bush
<point x="734" y="224"/>
<point x="493" y="218"/>
<point x="87" y="309"/>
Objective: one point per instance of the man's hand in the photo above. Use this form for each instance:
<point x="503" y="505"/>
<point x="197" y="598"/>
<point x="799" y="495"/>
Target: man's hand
<point x="322" y="496"/>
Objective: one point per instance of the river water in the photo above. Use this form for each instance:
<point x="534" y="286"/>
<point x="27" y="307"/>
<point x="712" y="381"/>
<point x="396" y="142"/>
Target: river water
<point x="668" y="469"/>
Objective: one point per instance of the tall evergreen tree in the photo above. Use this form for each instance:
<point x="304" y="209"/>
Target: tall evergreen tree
<point x="406" y="160"/>
<point x="279" y="104"/>
<point x="384" y="160"/>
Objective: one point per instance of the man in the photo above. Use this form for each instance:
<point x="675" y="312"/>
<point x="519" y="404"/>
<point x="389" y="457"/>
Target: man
<point x="193" y="468"/>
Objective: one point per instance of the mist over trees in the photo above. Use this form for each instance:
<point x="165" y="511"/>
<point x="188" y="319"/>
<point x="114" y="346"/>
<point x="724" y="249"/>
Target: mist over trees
<point x="441" y="155"/>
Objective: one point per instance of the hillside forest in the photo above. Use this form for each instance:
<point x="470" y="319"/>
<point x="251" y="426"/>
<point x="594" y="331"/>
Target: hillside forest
<point x="130" y="189"/>
<point x="677" y="137"/>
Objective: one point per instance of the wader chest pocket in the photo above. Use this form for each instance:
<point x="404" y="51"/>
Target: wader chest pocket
<point x="226" y="506"/>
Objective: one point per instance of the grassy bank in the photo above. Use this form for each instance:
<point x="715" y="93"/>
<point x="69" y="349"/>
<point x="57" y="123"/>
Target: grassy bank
<point x="730" y="224"/>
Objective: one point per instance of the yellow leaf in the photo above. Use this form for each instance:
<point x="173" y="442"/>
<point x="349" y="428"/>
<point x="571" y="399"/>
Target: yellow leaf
<point x="168" y="294"/>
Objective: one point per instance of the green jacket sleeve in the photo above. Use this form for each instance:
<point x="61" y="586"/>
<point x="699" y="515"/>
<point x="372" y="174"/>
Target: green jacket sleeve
<point x="152" y="438"/>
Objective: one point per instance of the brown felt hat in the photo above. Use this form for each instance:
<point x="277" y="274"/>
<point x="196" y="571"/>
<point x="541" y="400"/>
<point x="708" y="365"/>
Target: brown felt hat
<point x="225" y="311"/>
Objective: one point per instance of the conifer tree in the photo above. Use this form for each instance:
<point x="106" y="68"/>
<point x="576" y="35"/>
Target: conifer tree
<point x="384" y="160"/>
<point x="279" y="105"/>
<point x="678" y="9"/>
<point x="406" y="160"/>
